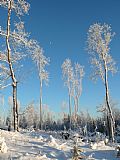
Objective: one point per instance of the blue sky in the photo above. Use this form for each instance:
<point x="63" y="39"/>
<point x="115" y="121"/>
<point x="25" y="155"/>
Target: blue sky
<point x="61" y="28"/>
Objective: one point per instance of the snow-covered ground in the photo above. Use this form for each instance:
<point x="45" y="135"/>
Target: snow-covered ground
<point x="30" y="145"/>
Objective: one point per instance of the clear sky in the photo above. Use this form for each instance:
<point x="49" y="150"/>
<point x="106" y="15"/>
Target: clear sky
<point x="61" y="28"/>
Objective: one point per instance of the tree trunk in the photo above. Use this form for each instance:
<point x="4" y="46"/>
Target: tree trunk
<point x="70" y="109"/>
<point x="108" y="106"/>
<point x="14" y="107"/>
<point x="77" y="104"/>
<point x="10" y="63"/>
<point x="40" y="104"/>
<point x="17" y="115"/>
<point x="107" y="126"/>
<point x="75" y="110"/>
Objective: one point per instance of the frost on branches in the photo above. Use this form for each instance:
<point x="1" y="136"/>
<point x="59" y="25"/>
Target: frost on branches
<point x="77" y="86"/>
<point x="19" y="6"/>
<point x="99" y="38"/>
<point x="73" y="80"/>
<point x="14" y="41"/>
<point x="67" y="71"/>
<point x="41" y="62"/>
<point x="15" y="47"/>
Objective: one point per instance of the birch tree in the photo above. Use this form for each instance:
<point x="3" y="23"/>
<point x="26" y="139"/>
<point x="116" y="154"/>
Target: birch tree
<point x="67" y="71"/>
<point x="41" y="62"/>
<point x="99" y="38"/>
<point x="77" y="86"/>
<point x="15" y="41"/>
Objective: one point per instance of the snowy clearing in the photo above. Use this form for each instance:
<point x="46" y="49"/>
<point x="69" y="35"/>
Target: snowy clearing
<point x="30" y="145"/>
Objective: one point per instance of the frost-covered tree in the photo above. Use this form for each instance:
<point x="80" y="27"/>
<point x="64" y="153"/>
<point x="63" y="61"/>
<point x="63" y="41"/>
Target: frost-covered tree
<point x="41" y="62"/>
<point x="77" y="86"/>
<point x="29" y="115"/>
<point x="99" y="38"/>
<point x="2" y="107"/>
<point x="15" y="44"/>
<point x="10" y="103"/>
<point x="67" y="71"/>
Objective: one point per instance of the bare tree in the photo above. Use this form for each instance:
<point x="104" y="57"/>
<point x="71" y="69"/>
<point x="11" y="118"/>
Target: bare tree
<point x="14" y="49"/>
<point x="99" y="38"/>
<point x="41" y="62"/>
<point x="67" y="71"/>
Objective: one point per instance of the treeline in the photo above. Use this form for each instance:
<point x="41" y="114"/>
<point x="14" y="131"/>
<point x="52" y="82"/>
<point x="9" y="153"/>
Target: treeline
<point x="29" y="119"/>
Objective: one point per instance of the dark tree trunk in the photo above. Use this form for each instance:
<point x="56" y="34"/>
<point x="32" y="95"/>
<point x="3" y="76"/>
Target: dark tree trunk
<point x="17" y="115"/>
<point x="14" y="107"/>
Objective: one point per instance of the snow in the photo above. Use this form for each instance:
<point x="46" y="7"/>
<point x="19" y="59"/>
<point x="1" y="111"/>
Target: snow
<point x="3" y="146"/>
<point x="41" y="145"/>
